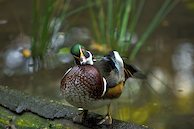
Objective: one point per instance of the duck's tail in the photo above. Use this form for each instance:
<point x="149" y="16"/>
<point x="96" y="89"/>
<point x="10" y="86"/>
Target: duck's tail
<point x="132" y="71"/>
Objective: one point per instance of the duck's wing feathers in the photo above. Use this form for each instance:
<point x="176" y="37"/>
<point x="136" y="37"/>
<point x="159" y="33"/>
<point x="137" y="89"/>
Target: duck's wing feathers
<point x="132" y="71"/>
<point x="108" y="71"/>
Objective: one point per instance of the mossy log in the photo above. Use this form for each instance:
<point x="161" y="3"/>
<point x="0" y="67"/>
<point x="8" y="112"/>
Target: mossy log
<point x="20" y="104"/>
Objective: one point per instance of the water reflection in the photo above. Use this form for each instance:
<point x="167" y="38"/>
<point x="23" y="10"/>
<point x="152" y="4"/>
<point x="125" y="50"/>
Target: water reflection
<point x="182" y="61"/>
<point x="158" y="80"/>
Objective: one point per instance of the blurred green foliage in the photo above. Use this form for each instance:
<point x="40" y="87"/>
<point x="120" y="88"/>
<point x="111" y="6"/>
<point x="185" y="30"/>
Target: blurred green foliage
<point x="114" y="23"/>
<point x="46" y="16"/>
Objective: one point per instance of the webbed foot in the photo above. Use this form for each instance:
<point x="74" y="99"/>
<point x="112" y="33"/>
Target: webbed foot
<point x="108" y="119"/>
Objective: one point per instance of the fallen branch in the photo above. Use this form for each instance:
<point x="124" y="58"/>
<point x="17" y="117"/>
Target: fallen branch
<point x="20" y="102"/>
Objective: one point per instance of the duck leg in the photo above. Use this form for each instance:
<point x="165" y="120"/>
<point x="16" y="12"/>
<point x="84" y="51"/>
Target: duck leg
<point x="81" y="116"/>
<point x="108" y="119"/>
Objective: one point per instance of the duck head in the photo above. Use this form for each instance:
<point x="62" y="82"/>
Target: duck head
<point x="81" y="55"/>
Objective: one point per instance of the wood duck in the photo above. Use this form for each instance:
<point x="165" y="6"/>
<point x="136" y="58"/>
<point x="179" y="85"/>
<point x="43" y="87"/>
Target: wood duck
<point x="92" y="84"/>
<point x="17" y="56"/>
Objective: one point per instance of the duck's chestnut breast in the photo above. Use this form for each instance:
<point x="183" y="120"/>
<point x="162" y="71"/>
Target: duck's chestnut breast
<point x="83" y="79"/>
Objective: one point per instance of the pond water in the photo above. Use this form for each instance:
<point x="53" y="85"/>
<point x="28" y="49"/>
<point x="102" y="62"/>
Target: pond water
<point x="163" y="101"/>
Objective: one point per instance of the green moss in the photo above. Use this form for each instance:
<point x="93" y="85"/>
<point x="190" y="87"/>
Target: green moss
<point x="5" y="117"/>
<point x="26" y="120"/>
<point x="5" y="122"/>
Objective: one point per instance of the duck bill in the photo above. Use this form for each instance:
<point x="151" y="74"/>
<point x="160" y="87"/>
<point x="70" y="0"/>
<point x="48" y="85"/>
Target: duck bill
<point x="83" y="59"/>
<point x="26" y="53"/>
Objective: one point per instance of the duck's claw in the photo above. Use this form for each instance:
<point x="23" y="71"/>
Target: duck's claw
<point x="79" y="118"/>
<point x="107" y="120"/>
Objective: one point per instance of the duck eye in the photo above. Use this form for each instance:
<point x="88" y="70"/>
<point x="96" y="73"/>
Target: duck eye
<point x="86" y="54"/>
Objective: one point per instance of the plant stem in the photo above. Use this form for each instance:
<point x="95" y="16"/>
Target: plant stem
<point x="134" y="20"/>
<point x="163" y="11"/>
<point x="124" y="23"/>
